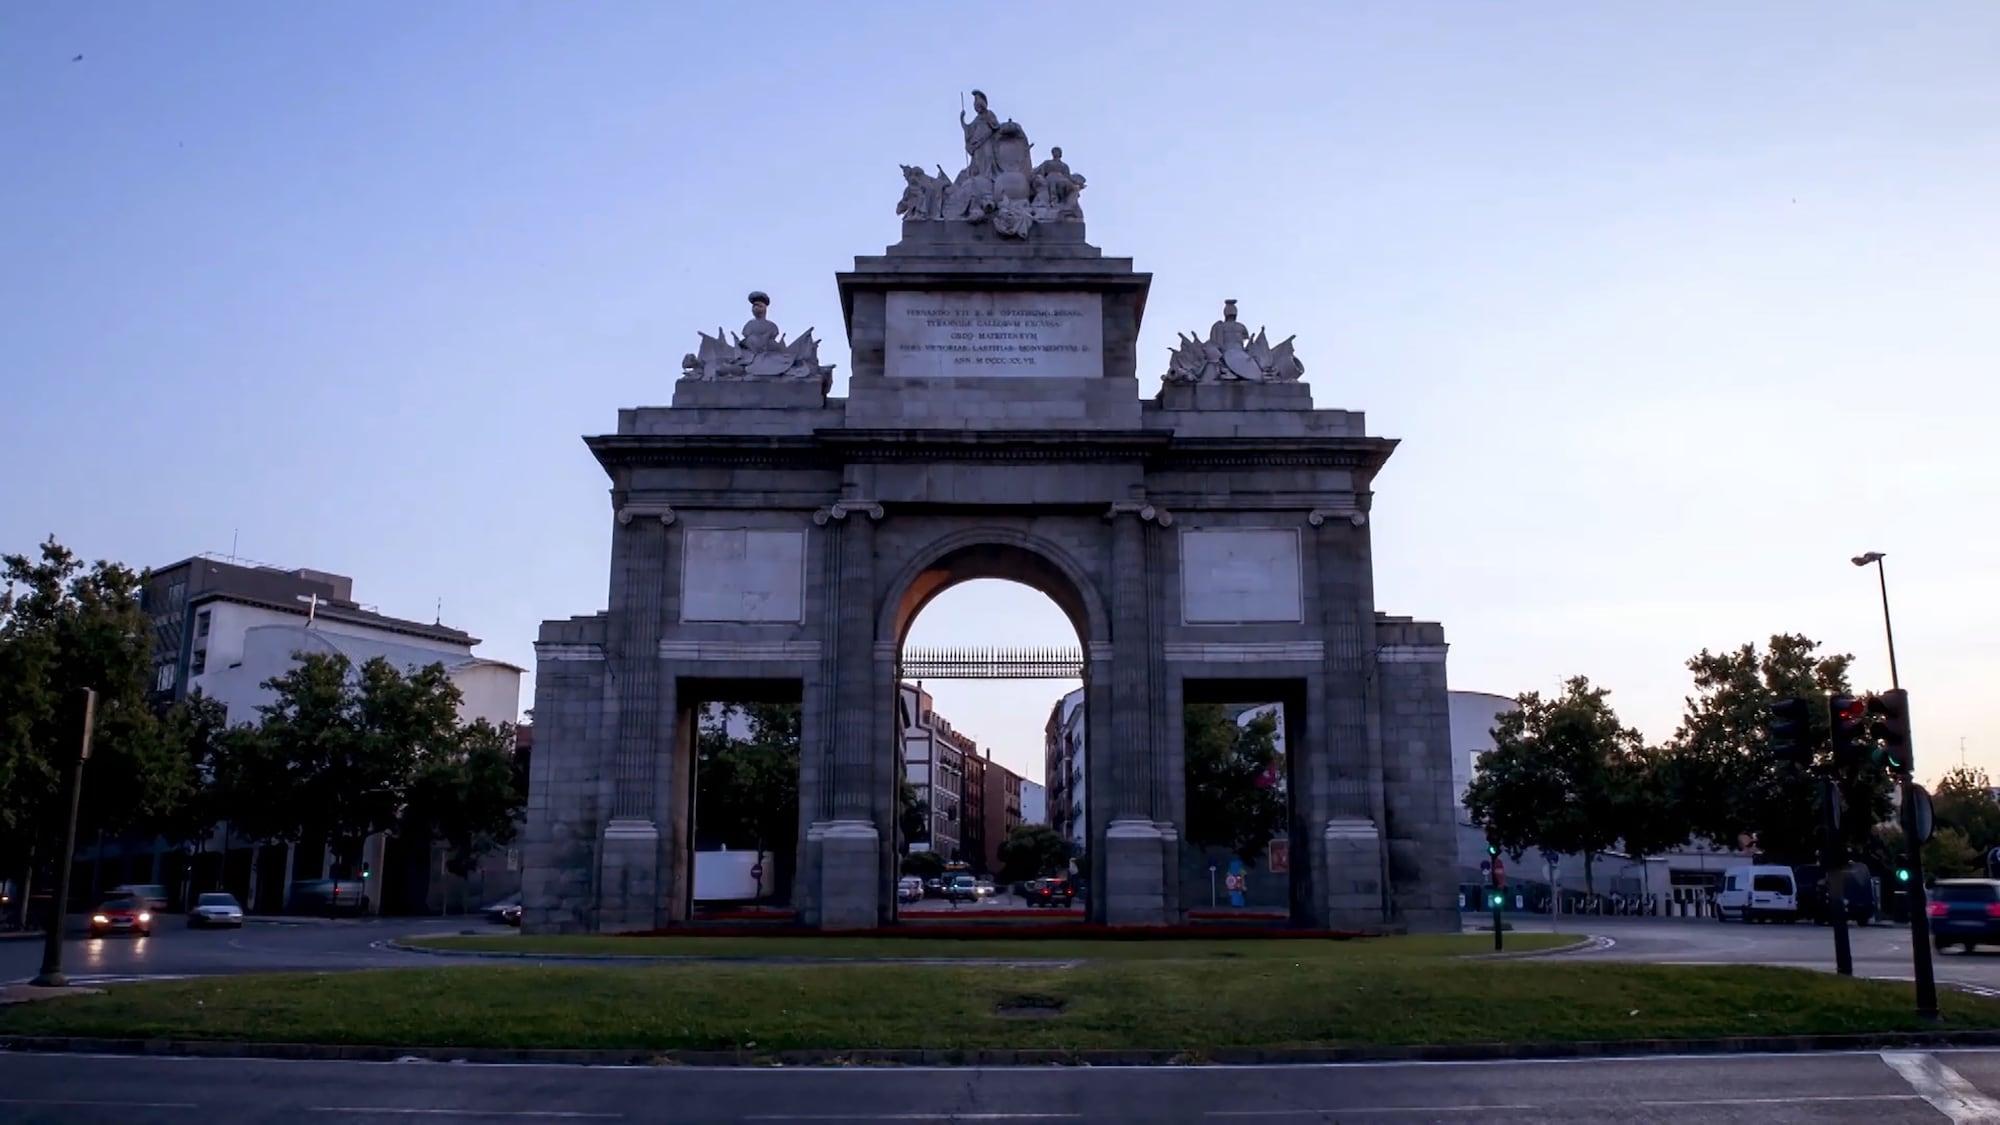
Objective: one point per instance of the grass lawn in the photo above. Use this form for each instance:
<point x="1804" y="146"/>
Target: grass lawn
<point x="1358" y="950"/>
<point x="1387" y="991"/>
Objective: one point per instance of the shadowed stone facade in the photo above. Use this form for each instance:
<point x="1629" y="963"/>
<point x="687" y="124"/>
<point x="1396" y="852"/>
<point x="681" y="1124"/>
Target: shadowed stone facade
<point x="1211" y="542"/>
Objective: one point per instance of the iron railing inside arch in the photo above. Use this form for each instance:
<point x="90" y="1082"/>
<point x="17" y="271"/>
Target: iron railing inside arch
<point x="975" y="663"/>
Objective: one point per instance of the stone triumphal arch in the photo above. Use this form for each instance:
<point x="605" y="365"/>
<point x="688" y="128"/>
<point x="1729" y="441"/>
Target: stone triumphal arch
<point x="768" y="539"/>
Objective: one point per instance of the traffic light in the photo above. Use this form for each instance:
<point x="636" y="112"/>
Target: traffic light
<point x="1495" y="899"/>
<point x="1786" y="730"/>
<point x="1902" y="874"/>
<point x="1851" y="741"/>
<point x="1889" y="725"/>
<point x="1492" y="849"/>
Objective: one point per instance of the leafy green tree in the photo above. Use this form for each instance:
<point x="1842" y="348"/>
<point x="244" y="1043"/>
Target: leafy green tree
<point x="1963" y="799"/>
<point x="924" y="865"/>
<point x="338" y="750"/>
<point x="1559" y="775"/>
<point x="747" y="790"/>
<point x="913" y="816"/>
<point x="1032" y="850"/>
<point x="1949" y="855"/>
<point x="1734" y="791"/>
<point x="467" y="795"/>
<point x="1235" y="782"/>
<point x="65" y="627"/>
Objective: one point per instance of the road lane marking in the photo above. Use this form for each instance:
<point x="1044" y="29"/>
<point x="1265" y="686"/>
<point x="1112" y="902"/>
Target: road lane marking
<point x="117" y="1105"/>
<point x="565" y="1114"/>
<point x="1337" y="1112"/>
<point x="1787" y="1101"/>
<point x="1947" y="1090"/>
<point x="943" y="1115"/>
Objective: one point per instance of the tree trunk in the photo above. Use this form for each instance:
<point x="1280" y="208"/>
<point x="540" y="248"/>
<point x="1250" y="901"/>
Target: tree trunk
<point x="1589" y="881"/>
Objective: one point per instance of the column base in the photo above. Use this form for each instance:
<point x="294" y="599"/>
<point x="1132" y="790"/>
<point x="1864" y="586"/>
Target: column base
<point x="1351" y="858"/>
<point x="628" y="876"/>
<point x="1135" y="874"/>
<point x="850" y="857"/>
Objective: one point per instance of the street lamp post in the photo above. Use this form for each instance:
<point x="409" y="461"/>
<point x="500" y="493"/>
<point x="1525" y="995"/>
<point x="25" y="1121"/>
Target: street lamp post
<point x="51" y="975"/>
<point x="1920" y="922"/>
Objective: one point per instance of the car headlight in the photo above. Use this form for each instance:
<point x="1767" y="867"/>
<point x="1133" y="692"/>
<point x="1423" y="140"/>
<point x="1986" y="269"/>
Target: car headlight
<point x="100" y="919"/>
<point x="145" y="917"/>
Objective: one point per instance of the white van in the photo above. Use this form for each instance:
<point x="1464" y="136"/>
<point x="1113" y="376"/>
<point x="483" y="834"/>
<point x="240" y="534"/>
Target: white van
<point x="1751" y="894"/>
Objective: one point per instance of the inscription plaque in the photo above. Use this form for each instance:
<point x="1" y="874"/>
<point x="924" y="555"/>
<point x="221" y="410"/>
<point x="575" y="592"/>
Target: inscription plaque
<point x="744" y="575"/>
<point x="949" y="333"/>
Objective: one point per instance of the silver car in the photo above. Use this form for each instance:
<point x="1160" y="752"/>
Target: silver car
<point x="216" y="908"/>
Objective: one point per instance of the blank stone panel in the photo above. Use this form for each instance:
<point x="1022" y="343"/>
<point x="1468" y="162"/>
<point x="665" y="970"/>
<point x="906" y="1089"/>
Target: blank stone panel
<point x="743" y="575"/>
<point x="1232" y="576"/>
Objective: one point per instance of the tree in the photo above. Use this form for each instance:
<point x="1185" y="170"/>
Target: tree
<point x="1235" y="781"/>
<point x="913" y="816"/>
<point x="65" y="627"/>
<point x="1555" y="776"/>
<point x="1725" y="776"/>
<point x="1964" y="800"/>
<point x="1031" y="850"/>
<point x="338" y="750"/>
<point x="747" y="790"/>
<point x="927" y="865"/>
<point x="467" y="795"/>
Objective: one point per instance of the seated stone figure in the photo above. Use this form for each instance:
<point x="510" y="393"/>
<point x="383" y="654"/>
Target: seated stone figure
<point x="759" y="351"/>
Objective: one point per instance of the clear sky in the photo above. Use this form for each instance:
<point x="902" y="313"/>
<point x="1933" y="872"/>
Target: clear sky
<point x="1674" y="307"/>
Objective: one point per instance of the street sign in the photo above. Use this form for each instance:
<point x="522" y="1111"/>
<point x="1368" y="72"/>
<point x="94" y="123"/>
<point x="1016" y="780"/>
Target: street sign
<point x="1499" y="872"/>
<point x="756" y="872"/>
<point x="1917" y="818"/>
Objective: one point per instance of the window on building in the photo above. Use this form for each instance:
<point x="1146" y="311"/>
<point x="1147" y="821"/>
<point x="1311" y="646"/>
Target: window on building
<point x="163" y="678"/>
<point x="201" y="624"/>
<point x="199" y="664"/>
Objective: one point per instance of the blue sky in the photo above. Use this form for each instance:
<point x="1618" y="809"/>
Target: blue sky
<point x="1674" y="307"/>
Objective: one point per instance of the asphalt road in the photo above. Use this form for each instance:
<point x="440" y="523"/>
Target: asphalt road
<point x="1880" y="950"/>
<point x="259" y="947"/>
<point x="1875" y="1088"/>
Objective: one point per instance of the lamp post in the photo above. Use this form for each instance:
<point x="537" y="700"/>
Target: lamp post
<point x="1920" y="923"/>
<point x="1882" y="578"/>
<point x="51" y="975"/>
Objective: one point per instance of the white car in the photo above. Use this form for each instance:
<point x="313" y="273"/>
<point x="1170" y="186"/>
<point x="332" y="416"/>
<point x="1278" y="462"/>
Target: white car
<point x="216" y="908"/>
<point x="1758" y="893"/>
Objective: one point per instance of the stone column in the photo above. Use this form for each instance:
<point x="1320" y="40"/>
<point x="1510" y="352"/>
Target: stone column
<point x="629" y="887"/>
<point x="1347" y="774"/>
<point x="1134" y="888"/>
<point x="848" y="840"/>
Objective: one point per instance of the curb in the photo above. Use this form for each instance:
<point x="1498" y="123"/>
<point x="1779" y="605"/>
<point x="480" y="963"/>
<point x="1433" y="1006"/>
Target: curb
<point x="1587" y="941"/>
<point x="1222" y="1056"/>
<point x="739" y="959"/>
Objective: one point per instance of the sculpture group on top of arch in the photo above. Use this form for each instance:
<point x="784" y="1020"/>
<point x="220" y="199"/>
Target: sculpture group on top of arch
<point x="1000" y="183"/>
<point x="759" y="351"/>
<point x="1231" y="353"/>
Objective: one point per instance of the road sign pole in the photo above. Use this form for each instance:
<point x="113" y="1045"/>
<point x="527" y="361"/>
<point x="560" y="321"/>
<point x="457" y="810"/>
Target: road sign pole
<point x="51" y="975"/>
<point x="1834" y="859"/>
<point x="1916" y="830"/>
<point x="1499" y="880"/>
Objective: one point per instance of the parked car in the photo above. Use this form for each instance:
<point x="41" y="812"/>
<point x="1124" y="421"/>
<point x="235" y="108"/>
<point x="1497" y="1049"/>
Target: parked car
<point x="497" y="911"/>
<point x="1965" y="912"/>
<point x="961" y="888"/>
<point x="511" y="916"/>
<point x="215" y="908"/>
<point x="983" y="887"/>
<point x="150" y="895"/>
<point x="909" y="889"/>
<point x="329" y="896"/>
<point x="1758" y="893"/>
<point x="1050" y="892"/>
<point x="122" y="916"/>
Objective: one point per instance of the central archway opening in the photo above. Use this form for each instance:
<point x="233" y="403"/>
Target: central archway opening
<point x="992" y="807"/>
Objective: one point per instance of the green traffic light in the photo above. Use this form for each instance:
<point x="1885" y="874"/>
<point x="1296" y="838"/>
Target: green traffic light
<point x="1492" y="849"/>
<point x="1495" y="900"/>
<point x="1902" y="874"/>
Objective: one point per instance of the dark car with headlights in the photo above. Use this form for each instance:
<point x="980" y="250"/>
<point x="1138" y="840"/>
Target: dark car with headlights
<point x="1965" y="912"/>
